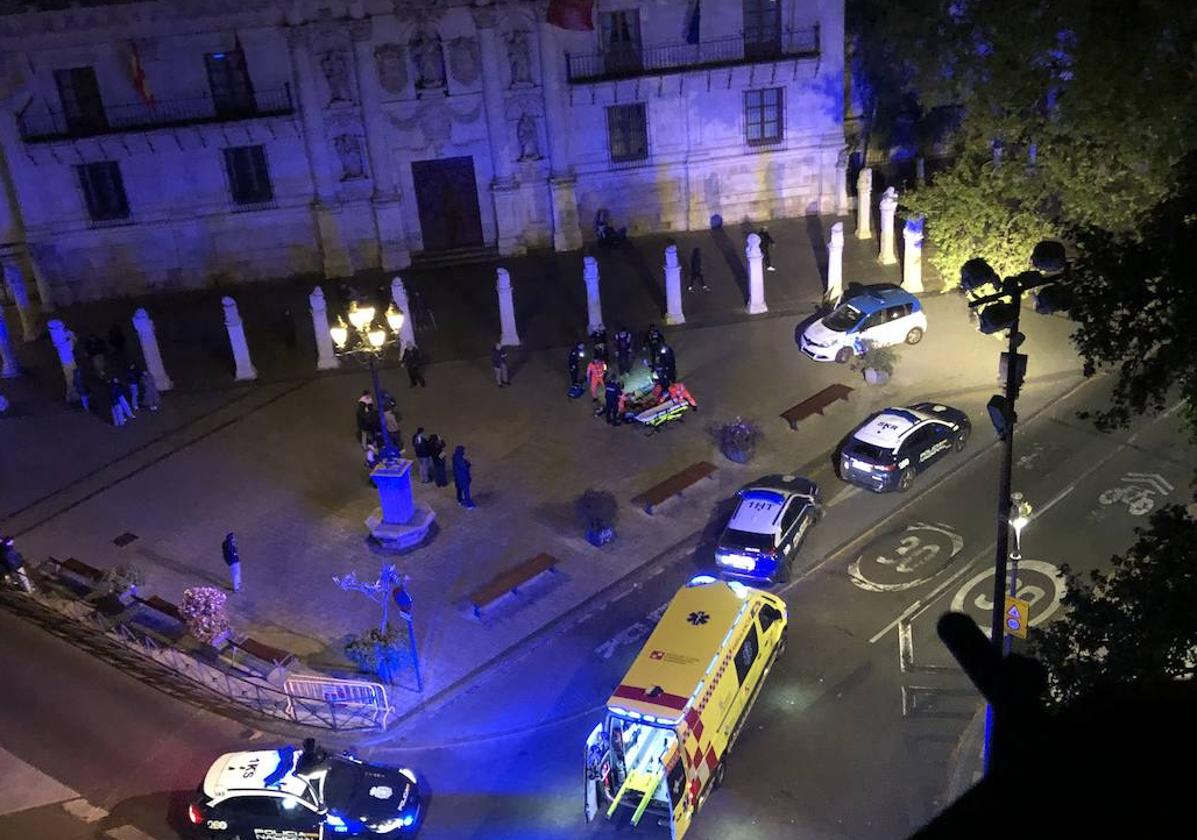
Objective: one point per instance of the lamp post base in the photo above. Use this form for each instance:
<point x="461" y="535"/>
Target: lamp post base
<point x="400" y="536"/>
<point x="399" y="522"/>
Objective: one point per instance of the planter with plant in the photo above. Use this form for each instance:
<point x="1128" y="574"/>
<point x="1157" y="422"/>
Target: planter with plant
<point x="597" y="511"/>
<point x="876" y="363"/>
<point x="737" y="439"/>
<point x="378" y="651"/>
<point x="122" y="582"/>
<point x="203" y="608"/>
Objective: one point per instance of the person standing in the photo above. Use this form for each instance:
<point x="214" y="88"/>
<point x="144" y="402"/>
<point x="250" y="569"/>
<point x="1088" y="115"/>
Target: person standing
<point x="81" y="389"/>
<point x="596" y="372"/>
<point x="439" y="473"/>
<point x="14" y="564"/>
<point x="116" y="340"/>
<point x="653" y="339"/>
<point x="498" y="361"/>
<point x="421" y="449"/>
<point x="133" y="383"/>
<point x="623" y="351"/>
<point x="461" y="478"/>
<point x="696" y="278"/>
<point x="150" y="397"/>
<point x="118" y="402"/>
<point x="232" y="559"/>
<point x="95" y="350"/>
<point x="613" y="393"/>
<point x="766" y="248"/>
<point x="667" y="362"/>
<point x="413" y="361"/>
<point x="367" y="420"/>
<point x="390" y="419"/>
<point x="576" y="357"/>
<point x="598" y="343"/>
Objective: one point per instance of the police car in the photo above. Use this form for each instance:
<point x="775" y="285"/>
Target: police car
<point x="305" y="794"/>
<point x="879" y="315"/>
<point x="891" y="447"/>
<point x="770" y="522"/>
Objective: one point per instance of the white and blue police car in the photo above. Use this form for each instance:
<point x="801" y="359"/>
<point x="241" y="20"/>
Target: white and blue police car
<point x="891" y="447"/>
<point x="770" y="522"/>
<point x="878" y="315"/>
<point x="303" y="794"/>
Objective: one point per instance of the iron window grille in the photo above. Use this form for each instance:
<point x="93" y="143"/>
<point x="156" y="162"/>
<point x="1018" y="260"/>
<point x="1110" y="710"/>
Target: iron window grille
<point x="764" y="116"/>
<point x="103" y="190"/>
<point x="249" y="178"/>
<point x="627" y="132"/>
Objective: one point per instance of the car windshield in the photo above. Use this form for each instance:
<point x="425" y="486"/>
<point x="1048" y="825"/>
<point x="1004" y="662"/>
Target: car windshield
<point x="843" y="319"/>
<point x="735" y="538"/>
<point x="344" y="777"/>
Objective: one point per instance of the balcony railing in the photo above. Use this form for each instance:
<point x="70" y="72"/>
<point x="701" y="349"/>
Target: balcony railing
<point x="139" y="116"/>
<point x="660" y="59"/>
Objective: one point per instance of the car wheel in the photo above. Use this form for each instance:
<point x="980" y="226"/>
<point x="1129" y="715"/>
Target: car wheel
<point x="787" y="569"/>
<point x="905" y="480"/>
<point x="843" y="355"/>
<point x="781" y="644"/>
<point x="720" y="772"/>
<point x="961" y="440"/>
<point x="914" y="336"/>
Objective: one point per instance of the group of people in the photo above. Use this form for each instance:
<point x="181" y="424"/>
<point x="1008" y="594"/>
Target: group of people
<point x="430" y="459"/>
<point x="125" y="386"/>
<point x="370" y="425"/>
<point x="606" y="382"/>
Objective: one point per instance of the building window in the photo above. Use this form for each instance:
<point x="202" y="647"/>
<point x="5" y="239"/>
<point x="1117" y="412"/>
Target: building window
<point x="621" y="41"/>
<point x="763" y="116"/>
<point x="232" y="92"/>
<point x="103" y="190"/>
<point x="762" y="28"/>
<point x="248" y="178"/>
<point x="81" y="104"/>
<point x="627" y="132"/>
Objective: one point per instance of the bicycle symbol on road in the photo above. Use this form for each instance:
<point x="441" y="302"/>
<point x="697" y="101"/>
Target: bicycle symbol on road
<point x="1137" y="492"/>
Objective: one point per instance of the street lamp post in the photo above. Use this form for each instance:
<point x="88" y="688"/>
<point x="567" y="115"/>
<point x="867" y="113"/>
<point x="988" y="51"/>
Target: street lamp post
<point x="368" y="342"/>
<point x="1019" y="519"/>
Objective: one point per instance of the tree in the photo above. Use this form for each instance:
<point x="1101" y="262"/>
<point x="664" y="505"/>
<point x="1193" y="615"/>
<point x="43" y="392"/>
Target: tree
<point x="1134" y="624"/>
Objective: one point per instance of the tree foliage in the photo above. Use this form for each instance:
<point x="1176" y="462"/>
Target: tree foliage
<point x="1134" y="624"/>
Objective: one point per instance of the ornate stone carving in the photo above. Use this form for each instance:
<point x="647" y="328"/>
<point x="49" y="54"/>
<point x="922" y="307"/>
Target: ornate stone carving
<point x="349" y="150"/>
<point x="392" y="68"/>
<point x="529" y="138"/>
<point x="464" y="60"/>
<point x="519" y="53"/>
<point x="335" y="67"/>
<point x="429" y="60"/>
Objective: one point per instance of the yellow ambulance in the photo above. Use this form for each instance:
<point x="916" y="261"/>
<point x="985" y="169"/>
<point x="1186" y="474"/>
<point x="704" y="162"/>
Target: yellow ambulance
<point x="674" y="718"/>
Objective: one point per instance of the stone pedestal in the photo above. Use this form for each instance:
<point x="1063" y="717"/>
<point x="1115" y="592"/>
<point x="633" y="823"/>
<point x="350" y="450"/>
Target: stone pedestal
<point x="148" y="337"/>
<point x="756" y="276"/>
<point x="567" y="236"/>
<point x="594" y="304"/>
<point x="889" y="206"/>
<point x="14" y="279"/>
<point x="673" y="287"/>
<point x="912" y="255"/>
<point x="8" y="360"/>
<point x="407" y="332"/>
<point x="64" y="343"/>
<point x="510" y="336"/>
<point x="392" y="243"/>
<point x="864" y="204"/>
<point x="842" y="205"/>
<point x="334" y="254"/>
<point x="509" y="217"/>
<point x="232" y="322"/>
<point x="399" y="522"/>
<point x="327" y="357"/>
<point x="835" y="265"/>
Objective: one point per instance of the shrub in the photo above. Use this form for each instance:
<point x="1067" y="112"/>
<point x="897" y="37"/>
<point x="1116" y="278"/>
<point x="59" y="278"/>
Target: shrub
<point x="597" y="511"/>
<point x="378" y="651"/>
<point x="737" y="439"/>
<point x="123" y="578"/>
<point x="203" y="608"/>
<point x="876" y="357"/>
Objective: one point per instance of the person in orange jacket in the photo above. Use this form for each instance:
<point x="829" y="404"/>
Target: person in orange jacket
<point x="596" y="372"/>
<point x="680" y="393"/>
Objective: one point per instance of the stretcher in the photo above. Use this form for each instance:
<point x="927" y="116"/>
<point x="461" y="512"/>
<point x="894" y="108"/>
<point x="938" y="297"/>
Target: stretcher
<point x="665" y="408"/>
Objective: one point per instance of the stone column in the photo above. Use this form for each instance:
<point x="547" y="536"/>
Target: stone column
<point x="756" y="276"/>
<point x="673" y="287"/>
<point x="912" y="255"/>
<point x="864" y="204"/>
<point x="64" y="343"/>
<point x="835" y="265"/>
<point x="327" y="358"/>
<point x="509" y="221"/>
<point x="567" y="235"/>
<point x="407" y="332"/>
<point x="327" y="209"/>
<point x="14" y="278"/>
<point x="386" y="201"/>
<point x="594" y="305"/>
<point x="510" y="336"/>
<point x="232" y="322"/>
<point x="842" y="205"/>
<point x="8" y="359"/>
<point x="148" y="337"/>
<point x="19" y="177"/>
<point x="889" y="206"/>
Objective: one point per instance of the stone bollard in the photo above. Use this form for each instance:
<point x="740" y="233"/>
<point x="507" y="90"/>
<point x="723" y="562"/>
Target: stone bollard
<point x="8" y="360"/>
<point x="673" y="287"/>
<point x="407" y="331"/>
<point x="148" y="337"/>
<point x="864" y="204"/>
<point x="15" y="281"/>
<point x="889" y="206"/>
<point x="594" y="304"/>
<point x="232" y="322"/>
<point x="756" y="276"/>
<point x="326" y="355"/>
<point x="835" y="265"/>
<point x="912" y="256"/>
<point x="509" y="337"/>
<point x="64" y="343"/>
<point x="842" y="205"/>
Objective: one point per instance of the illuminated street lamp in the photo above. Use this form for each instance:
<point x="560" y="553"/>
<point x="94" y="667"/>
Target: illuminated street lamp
<point x="367" y="341"/>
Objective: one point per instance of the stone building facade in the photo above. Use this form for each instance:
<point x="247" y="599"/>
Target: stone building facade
<point x="169" y="144"/>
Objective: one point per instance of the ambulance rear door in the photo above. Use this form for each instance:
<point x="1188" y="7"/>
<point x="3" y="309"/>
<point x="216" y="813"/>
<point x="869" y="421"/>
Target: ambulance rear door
<point x="598" y="782"/>
<point x="680" y="801"/>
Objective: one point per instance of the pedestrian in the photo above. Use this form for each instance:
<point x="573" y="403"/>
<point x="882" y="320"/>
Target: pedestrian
<point x="576" y="358"/>
<point x="150" y="397"/>
<point x="596" y="372"/>
<point x="116" y="341"/>
<point x="498" y="361"/>
<point x="598" y="343"/>
<point x="421" y="449"/>
<point x="613" y="393"/>
<point x="232" y="559"/>
<point x="667" y="362"/>
<point x="766" y="248"/>
<point x="14" y="564"/>
<point x="438" y="446"/>
<point x="390" y="419"/>
<point x="133" y="386"/>
<point x="118" y="402"/>
<point x="84" y="392"/>
<point x="653" y="339"/>
<point x="623" y="351"/>
<point x="461" y="478"/>
<point x="367" y="420"/>
<point x="413" y="360"/>
<point x="696" y="278"/>
<point x="95" y="349"/>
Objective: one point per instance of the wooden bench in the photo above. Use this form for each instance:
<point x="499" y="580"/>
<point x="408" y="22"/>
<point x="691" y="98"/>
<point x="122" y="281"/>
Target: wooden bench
<point x="161" y="605"/>
<point x="675" y="485"/>
<point x="511" y="580"/>
<point x="815" y="404"/>
<point x="78" y="568"/>
<point x="277" y="657"/>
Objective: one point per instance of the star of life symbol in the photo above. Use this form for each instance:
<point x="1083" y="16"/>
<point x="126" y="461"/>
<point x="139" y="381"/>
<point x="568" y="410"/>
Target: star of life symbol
<point x="698" y="617"/>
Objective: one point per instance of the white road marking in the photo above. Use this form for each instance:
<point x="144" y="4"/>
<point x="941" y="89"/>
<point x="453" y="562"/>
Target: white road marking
<point x="27" y="787"/>
<point x="847" y="493"/>
<point x="127" y="832"/>
<point x="84" y="810"/>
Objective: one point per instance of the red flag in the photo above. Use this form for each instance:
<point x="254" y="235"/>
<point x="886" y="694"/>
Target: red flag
<point x="571" y="14"/>
<point x="140" y="82"/>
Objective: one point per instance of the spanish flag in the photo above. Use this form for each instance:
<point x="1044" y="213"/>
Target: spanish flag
<point x="571" y="14"/>
<point x="140" y="82"/>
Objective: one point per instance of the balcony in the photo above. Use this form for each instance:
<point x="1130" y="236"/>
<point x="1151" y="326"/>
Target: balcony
<point x="138" y="116"/>
<point x="662" y="59"/>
